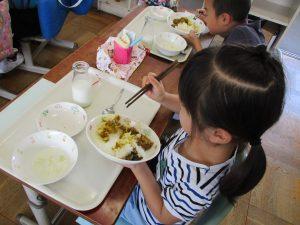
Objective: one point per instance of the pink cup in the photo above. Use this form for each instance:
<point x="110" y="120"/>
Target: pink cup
<point x="122" y="55"/>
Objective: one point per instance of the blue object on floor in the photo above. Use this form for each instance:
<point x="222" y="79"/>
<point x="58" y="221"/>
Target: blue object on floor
<point x="83" y="8"/>
<point x="52" y="14"/>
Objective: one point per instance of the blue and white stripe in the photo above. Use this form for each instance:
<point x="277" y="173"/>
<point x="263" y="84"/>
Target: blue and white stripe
<point x="188" y="188"/>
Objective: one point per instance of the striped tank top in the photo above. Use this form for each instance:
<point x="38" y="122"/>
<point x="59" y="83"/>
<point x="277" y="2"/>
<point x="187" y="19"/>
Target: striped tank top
<point x="188" y="188"/>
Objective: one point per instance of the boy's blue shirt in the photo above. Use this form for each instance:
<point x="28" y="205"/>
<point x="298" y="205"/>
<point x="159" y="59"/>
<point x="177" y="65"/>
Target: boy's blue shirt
<point x="247" y="34"/>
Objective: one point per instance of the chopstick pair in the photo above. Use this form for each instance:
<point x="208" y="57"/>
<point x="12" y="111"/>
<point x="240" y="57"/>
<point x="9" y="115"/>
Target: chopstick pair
<point x="142" y="91"/>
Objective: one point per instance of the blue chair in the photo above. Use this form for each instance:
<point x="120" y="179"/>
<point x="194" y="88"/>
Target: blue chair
<point x="51" y="14"/>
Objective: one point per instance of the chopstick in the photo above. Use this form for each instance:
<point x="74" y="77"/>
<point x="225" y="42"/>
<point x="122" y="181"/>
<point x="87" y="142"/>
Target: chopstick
<point x="142" y="91"/>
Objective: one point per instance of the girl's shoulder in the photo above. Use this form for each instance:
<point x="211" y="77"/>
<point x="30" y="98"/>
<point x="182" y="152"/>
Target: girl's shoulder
<point x="192" y="172"/>
<point x="177" y="138"/>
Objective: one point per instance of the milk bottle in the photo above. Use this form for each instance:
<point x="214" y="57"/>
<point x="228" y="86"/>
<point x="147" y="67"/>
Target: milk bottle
<point x="82" y="84"/>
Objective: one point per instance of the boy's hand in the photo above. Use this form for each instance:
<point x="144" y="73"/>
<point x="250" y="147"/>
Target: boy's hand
<point x="157" y="92"/>
<point x="194" y="40"/>
<point x="202" y="14"/>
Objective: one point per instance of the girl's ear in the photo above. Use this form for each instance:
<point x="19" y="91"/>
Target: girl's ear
<point x="218" y="135"/>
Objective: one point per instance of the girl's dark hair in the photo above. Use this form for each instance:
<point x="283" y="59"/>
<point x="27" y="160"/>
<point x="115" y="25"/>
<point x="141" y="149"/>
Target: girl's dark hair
<point x="240" y="89"/>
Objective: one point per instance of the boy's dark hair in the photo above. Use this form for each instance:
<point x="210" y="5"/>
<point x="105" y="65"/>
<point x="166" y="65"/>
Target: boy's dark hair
<point x="238" y="9"/>
<point x="241" y="90"/>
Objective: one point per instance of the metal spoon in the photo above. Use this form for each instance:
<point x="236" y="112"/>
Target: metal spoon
<point x="111" y="110"/>
<point x="147" y="18"/>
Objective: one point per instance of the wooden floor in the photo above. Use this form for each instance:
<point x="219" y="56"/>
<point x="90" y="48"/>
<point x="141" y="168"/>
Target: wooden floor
<point x="275" y="201"/>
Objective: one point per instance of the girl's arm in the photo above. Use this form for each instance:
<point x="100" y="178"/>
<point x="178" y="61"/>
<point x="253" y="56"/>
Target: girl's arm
<point x="171" y="101"/>
<point x="151" y="191"/>
<point x="158" y="93"/>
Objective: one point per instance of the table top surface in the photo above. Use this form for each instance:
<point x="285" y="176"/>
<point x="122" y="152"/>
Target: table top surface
<point x="108" y="211"/>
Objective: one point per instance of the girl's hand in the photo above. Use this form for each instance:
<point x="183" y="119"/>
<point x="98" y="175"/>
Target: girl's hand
<point x="157" y="92"/>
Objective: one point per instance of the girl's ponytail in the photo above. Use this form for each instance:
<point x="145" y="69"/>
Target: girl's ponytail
<point x="245" y="175"/>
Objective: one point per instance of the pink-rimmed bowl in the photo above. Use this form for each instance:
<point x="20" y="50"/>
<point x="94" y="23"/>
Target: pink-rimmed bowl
<point x="44" y="157"/>
<point x="62" y="116"/>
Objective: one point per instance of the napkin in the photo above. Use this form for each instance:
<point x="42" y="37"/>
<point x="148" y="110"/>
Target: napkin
<point x="106" y="63"/>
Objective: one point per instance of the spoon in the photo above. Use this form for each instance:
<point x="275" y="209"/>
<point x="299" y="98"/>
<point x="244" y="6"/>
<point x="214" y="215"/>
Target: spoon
<point x="147" y="18"/>
<point x="111" y="110"/>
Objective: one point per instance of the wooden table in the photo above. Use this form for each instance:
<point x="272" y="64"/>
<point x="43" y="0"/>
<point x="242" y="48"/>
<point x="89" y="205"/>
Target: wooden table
<point x="108" y="211"/>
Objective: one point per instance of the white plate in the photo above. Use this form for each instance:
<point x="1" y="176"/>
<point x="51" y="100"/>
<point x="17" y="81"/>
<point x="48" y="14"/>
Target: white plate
<point x="160" y="13"/>
<point x="91" y="133"/>
<point x="197" y="21"/>
<point x="63" y="116"/>
<point x="45" y="157"/>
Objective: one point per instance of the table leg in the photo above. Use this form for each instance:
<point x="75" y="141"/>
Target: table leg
<point x="37" y="205"/>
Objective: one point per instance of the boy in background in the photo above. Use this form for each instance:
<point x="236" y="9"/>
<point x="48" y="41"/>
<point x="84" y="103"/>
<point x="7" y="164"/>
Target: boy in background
<point x="229" y="19"/>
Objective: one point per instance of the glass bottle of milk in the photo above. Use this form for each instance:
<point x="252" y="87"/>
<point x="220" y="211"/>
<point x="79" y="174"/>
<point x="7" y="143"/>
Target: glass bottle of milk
<point x="174" y="4"/>
<point x="82" y="84"/>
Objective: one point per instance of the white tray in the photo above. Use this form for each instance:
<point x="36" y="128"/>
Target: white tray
<point x="154" y="27"/>
<point x="92" y="177"/>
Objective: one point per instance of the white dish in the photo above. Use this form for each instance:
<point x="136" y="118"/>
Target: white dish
<point x="196" y="21"/>
<point x="45" y="157"/>
<point x="160" y="13"/>
<point x="105" y="149"/>
<point x="63" y="116"/>
<point x="170" y="44"/>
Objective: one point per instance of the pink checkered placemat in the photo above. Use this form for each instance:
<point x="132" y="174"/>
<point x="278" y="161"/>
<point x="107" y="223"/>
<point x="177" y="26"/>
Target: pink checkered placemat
<point x="106" y="63"/>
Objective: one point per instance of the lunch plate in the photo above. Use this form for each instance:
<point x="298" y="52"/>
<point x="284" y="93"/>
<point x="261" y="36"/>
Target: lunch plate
<point x="93" y="175"/>
<point x="192" y="17"/>
<point x="106" y="148"/>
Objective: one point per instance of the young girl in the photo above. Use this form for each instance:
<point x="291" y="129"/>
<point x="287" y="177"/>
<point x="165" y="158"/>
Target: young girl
<point x="227" y="97"/>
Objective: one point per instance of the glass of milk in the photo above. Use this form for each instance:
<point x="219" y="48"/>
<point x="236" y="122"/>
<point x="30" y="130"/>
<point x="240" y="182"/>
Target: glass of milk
<point x="82" y="84"/>
<point x="148" y="33"/>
